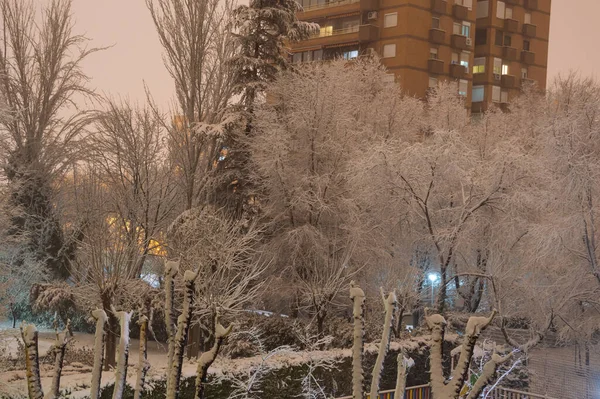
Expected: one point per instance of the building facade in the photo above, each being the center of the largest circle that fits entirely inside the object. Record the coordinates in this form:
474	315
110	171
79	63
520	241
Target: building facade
491	48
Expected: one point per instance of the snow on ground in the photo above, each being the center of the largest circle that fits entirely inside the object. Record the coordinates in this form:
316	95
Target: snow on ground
77	377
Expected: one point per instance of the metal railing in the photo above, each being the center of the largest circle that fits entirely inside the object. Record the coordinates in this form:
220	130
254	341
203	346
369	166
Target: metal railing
416	392
506	393
313	7
343	31
424	392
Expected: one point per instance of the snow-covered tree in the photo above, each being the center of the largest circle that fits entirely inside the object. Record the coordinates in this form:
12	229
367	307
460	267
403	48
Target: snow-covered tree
305	141
41	73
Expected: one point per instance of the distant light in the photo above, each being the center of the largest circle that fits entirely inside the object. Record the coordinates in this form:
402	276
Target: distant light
433	277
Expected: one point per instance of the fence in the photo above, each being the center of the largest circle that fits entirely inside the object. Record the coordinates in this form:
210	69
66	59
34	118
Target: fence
424	392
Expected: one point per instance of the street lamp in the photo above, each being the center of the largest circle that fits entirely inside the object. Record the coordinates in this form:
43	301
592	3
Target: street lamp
433	277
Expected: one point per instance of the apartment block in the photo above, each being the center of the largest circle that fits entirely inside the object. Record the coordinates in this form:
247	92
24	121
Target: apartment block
491	48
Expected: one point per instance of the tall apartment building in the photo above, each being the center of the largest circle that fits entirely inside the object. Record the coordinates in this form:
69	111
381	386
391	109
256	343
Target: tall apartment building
490	47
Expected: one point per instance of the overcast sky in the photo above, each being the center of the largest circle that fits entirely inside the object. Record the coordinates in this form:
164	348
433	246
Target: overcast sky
135	55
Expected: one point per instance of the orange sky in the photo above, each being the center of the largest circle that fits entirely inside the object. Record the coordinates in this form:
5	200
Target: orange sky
136	54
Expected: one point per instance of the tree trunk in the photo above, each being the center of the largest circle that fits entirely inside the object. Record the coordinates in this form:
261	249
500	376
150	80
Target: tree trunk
357	296
183	327
110	356
390	308
100	316
32	362
59	349
143	366
121	370
208	357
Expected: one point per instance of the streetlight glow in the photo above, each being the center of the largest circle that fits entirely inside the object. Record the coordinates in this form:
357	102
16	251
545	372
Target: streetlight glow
432	277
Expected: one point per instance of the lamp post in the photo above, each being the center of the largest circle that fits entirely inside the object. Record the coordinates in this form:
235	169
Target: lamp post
433	277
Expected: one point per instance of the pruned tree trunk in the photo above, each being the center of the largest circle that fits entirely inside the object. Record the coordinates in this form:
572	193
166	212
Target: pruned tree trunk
171	270
437	326
475	326
183	326
32	363
390	308
59	348
100	316
143	366
123	355
357	296
208	357
489	372
404	365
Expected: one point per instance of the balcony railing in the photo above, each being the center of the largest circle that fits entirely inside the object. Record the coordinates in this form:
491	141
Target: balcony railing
336	32
313	7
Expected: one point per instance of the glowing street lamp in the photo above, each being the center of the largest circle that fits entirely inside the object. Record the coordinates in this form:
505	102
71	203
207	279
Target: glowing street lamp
433	278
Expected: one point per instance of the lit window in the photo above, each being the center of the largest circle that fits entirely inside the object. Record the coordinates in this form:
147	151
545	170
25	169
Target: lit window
528	18
504	69
455	58
477	94
508	14
463	87
463	29
326	31
524	73
466	3
479	65
433	53
389	50
390	20
496	94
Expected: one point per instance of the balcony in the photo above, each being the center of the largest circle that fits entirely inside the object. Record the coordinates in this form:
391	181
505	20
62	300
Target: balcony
369	5
529	30
510	53
437	36
527	82
508	81
368	33
435	66
531	4
459	41
527	57
439	6
324	9
479	79
511	25
458	71
338	36
460	12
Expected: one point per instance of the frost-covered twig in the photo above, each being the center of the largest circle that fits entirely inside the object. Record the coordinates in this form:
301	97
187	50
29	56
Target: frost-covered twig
390	309
437	325
101	318
357	296
171	270
489	371
32	362
122	354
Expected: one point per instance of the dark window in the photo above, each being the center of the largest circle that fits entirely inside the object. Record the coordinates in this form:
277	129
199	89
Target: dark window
526	45
480	36
508	41
499	38
435	23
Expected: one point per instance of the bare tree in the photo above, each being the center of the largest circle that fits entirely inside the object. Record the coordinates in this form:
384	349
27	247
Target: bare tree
197	42
41	75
